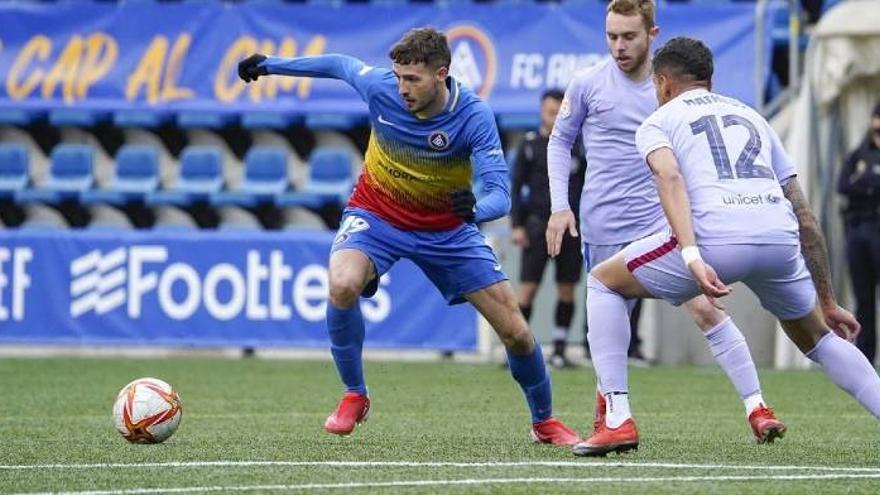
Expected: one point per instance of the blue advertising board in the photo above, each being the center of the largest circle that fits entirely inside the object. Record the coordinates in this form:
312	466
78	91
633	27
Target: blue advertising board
198	288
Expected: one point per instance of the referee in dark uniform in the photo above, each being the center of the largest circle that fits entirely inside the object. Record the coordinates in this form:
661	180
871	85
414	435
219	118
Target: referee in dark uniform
531	211
859	183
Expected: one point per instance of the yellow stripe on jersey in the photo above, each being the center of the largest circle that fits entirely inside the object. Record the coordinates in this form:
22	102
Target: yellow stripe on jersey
417	179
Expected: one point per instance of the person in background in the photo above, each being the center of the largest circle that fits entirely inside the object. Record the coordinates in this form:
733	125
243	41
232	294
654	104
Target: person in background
859	183
531	209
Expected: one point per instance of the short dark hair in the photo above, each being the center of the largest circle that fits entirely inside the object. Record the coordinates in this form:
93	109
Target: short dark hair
422	45
554	93
684	57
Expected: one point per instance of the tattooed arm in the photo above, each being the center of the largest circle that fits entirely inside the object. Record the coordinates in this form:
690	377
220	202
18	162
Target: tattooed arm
816	255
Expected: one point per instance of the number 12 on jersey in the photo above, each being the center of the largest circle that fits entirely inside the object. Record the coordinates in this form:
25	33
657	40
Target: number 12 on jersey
745	164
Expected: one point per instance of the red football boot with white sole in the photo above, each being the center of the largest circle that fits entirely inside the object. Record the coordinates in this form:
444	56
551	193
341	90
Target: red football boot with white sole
621	439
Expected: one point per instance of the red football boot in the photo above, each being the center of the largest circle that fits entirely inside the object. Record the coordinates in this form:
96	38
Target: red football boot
765	426
621	439
554	432
353	409
599	413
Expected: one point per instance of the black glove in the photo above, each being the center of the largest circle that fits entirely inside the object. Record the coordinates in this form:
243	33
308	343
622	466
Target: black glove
248	69
463	204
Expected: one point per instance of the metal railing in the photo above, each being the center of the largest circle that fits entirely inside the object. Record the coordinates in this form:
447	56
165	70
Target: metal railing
795	29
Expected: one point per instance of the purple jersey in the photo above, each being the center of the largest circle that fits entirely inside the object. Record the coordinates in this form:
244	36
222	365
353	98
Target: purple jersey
619	202
732	162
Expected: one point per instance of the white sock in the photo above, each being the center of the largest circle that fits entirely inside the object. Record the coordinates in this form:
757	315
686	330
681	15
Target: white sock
616	409
753	401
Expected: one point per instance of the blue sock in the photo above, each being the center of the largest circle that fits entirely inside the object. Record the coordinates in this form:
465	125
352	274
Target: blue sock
531	374
346	328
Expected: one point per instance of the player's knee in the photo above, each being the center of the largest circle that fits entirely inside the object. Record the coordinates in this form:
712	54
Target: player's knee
705	315
344	289
518	339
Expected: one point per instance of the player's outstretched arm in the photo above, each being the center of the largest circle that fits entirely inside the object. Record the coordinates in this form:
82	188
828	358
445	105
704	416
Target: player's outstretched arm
816	255
331	66
677	207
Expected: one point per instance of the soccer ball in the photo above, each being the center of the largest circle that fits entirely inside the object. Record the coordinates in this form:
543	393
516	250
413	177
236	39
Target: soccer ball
147	410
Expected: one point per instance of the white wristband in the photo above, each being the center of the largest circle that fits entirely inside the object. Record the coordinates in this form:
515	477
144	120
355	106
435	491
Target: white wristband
690	254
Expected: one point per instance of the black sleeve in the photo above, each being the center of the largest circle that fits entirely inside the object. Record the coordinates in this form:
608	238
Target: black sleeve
850	181
521	168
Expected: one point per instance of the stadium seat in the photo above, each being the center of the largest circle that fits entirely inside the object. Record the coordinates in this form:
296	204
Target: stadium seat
265	176
38	161
13	169
330	171
73	117
200	176
302	219
205	119
105	217
39	216
330	180
70	173
140	118
297	169
334	121
137	175
269	120
18	116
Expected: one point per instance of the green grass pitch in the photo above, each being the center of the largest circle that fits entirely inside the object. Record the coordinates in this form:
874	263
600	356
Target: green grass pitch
254	426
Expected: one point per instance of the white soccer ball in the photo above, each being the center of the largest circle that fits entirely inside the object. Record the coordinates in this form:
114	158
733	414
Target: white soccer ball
147	410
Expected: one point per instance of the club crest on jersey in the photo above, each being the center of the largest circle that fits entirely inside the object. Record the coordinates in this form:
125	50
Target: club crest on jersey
565	108
438	140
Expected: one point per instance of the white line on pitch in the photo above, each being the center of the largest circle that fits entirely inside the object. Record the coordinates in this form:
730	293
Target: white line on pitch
487	481
440	464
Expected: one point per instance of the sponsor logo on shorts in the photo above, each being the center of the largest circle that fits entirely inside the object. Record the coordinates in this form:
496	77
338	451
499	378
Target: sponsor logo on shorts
350	225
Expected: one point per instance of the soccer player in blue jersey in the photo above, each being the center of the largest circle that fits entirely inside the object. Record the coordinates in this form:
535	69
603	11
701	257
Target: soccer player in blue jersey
430	135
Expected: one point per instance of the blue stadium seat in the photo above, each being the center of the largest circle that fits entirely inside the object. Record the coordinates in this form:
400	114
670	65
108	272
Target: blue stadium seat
334	121
137	175
330	180
140	118
13	169
200	177
71	173
269	120
265	177
18	116
74	117
330	171
199	119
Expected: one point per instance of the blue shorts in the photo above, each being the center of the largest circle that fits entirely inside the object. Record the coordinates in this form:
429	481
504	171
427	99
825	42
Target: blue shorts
457	261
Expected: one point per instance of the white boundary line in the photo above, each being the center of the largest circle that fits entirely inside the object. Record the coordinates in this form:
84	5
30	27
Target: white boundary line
471	482
405	464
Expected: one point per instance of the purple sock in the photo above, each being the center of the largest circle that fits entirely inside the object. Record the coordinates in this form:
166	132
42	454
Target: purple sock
849	369
608	319
731	352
